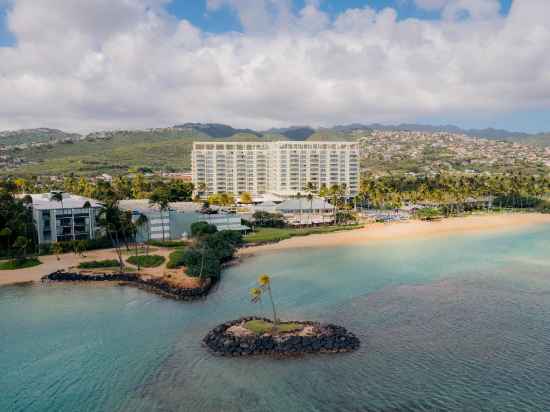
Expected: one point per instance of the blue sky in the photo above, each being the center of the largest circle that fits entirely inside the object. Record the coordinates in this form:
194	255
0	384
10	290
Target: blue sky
100	71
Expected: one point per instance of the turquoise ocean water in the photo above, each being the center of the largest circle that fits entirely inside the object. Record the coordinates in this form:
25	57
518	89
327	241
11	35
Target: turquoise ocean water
459	323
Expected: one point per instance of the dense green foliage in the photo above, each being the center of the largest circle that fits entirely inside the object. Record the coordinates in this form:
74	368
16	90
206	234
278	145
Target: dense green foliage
266	219
71	245
146	261
176	259
20	263
269	235
17	232
122	187
202	229
210	250
96	264
429	213
514	190
167	243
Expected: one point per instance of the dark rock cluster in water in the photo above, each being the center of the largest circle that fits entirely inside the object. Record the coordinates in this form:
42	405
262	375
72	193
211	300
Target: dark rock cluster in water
155	285
326	338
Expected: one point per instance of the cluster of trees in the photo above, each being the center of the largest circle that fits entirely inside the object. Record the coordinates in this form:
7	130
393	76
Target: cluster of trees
18	236
266	219
514	190
121	187
221	199
210	250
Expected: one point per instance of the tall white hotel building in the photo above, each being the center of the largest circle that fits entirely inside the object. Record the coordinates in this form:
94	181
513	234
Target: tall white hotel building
282	167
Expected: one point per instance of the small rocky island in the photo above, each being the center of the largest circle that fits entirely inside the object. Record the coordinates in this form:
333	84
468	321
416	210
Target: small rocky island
259	336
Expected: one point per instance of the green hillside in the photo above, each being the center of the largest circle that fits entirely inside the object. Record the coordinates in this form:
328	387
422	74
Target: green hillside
116	152
27	136
168	150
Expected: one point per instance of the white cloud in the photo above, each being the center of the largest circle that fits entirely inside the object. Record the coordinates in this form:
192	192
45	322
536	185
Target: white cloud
127	63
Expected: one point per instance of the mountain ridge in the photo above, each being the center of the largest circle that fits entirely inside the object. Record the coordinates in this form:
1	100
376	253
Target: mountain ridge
298	133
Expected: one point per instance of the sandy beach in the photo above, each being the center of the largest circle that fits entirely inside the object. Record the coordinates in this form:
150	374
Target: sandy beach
69	260
370	233
408	229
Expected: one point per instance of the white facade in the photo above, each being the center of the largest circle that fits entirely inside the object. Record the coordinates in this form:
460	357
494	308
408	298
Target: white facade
282	167
64	221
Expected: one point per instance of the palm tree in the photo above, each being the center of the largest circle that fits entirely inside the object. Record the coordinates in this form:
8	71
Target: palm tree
57	249
310	189
299	197
143	221
160	198
110	218
201	189
264	282
57	197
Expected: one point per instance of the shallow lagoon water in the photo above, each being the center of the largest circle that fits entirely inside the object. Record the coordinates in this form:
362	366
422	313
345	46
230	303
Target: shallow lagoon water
458	323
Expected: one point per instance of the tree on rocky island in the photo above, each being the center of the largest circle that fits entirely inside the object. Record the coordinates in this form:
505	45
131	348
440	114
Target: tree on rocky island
256	294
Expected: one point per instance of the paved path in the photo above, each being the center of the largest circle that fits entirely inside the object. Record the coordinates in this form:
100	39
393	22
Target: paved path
66	261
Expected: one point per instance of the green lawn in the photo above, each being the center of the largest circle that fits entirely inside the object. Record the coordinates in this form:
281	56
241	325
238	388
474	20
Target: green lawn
260	326
268	235
146	261
19	264
96	264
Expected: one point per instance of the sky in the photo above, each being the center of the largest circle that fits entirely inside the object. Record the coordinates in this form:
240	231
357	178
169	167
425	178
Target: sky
83	65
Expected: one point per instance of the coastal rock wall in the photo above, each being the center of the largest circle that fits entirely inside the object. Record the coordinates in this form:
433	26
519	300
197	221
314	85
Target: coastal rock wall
154	285
326	339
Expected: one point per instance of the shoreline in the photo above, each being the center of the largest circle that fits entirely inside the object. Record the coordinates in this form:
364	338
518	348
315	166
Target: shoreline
69	262
375	232
412	229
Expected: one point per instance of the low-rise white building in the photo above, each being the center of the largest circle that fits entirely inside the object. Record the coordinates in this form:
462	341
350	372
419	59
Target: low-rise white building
73	218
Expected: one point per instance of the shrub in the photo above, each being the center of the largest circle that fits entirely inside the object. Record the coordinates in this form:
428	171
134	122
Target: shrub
175	260
202	229
19	263
167	243
94	264
69	246
146	261
224	244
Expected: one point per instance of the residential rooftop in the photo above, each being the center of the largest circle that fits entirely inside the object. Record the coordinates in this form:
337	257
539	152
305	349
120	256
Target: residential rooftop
43	201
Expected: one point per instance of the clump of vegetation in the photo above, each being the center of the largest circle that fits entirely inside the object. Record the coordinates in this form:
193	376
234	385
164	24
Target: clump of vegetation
428	214
168	243
14	264
211	249
96	264
17	233
266	219
74	245
146	261
176	259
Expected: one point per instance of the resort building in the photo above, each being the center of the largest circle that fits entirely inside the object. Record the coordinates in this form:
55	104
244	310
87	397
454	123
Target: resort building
73	218
283	168
175	223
